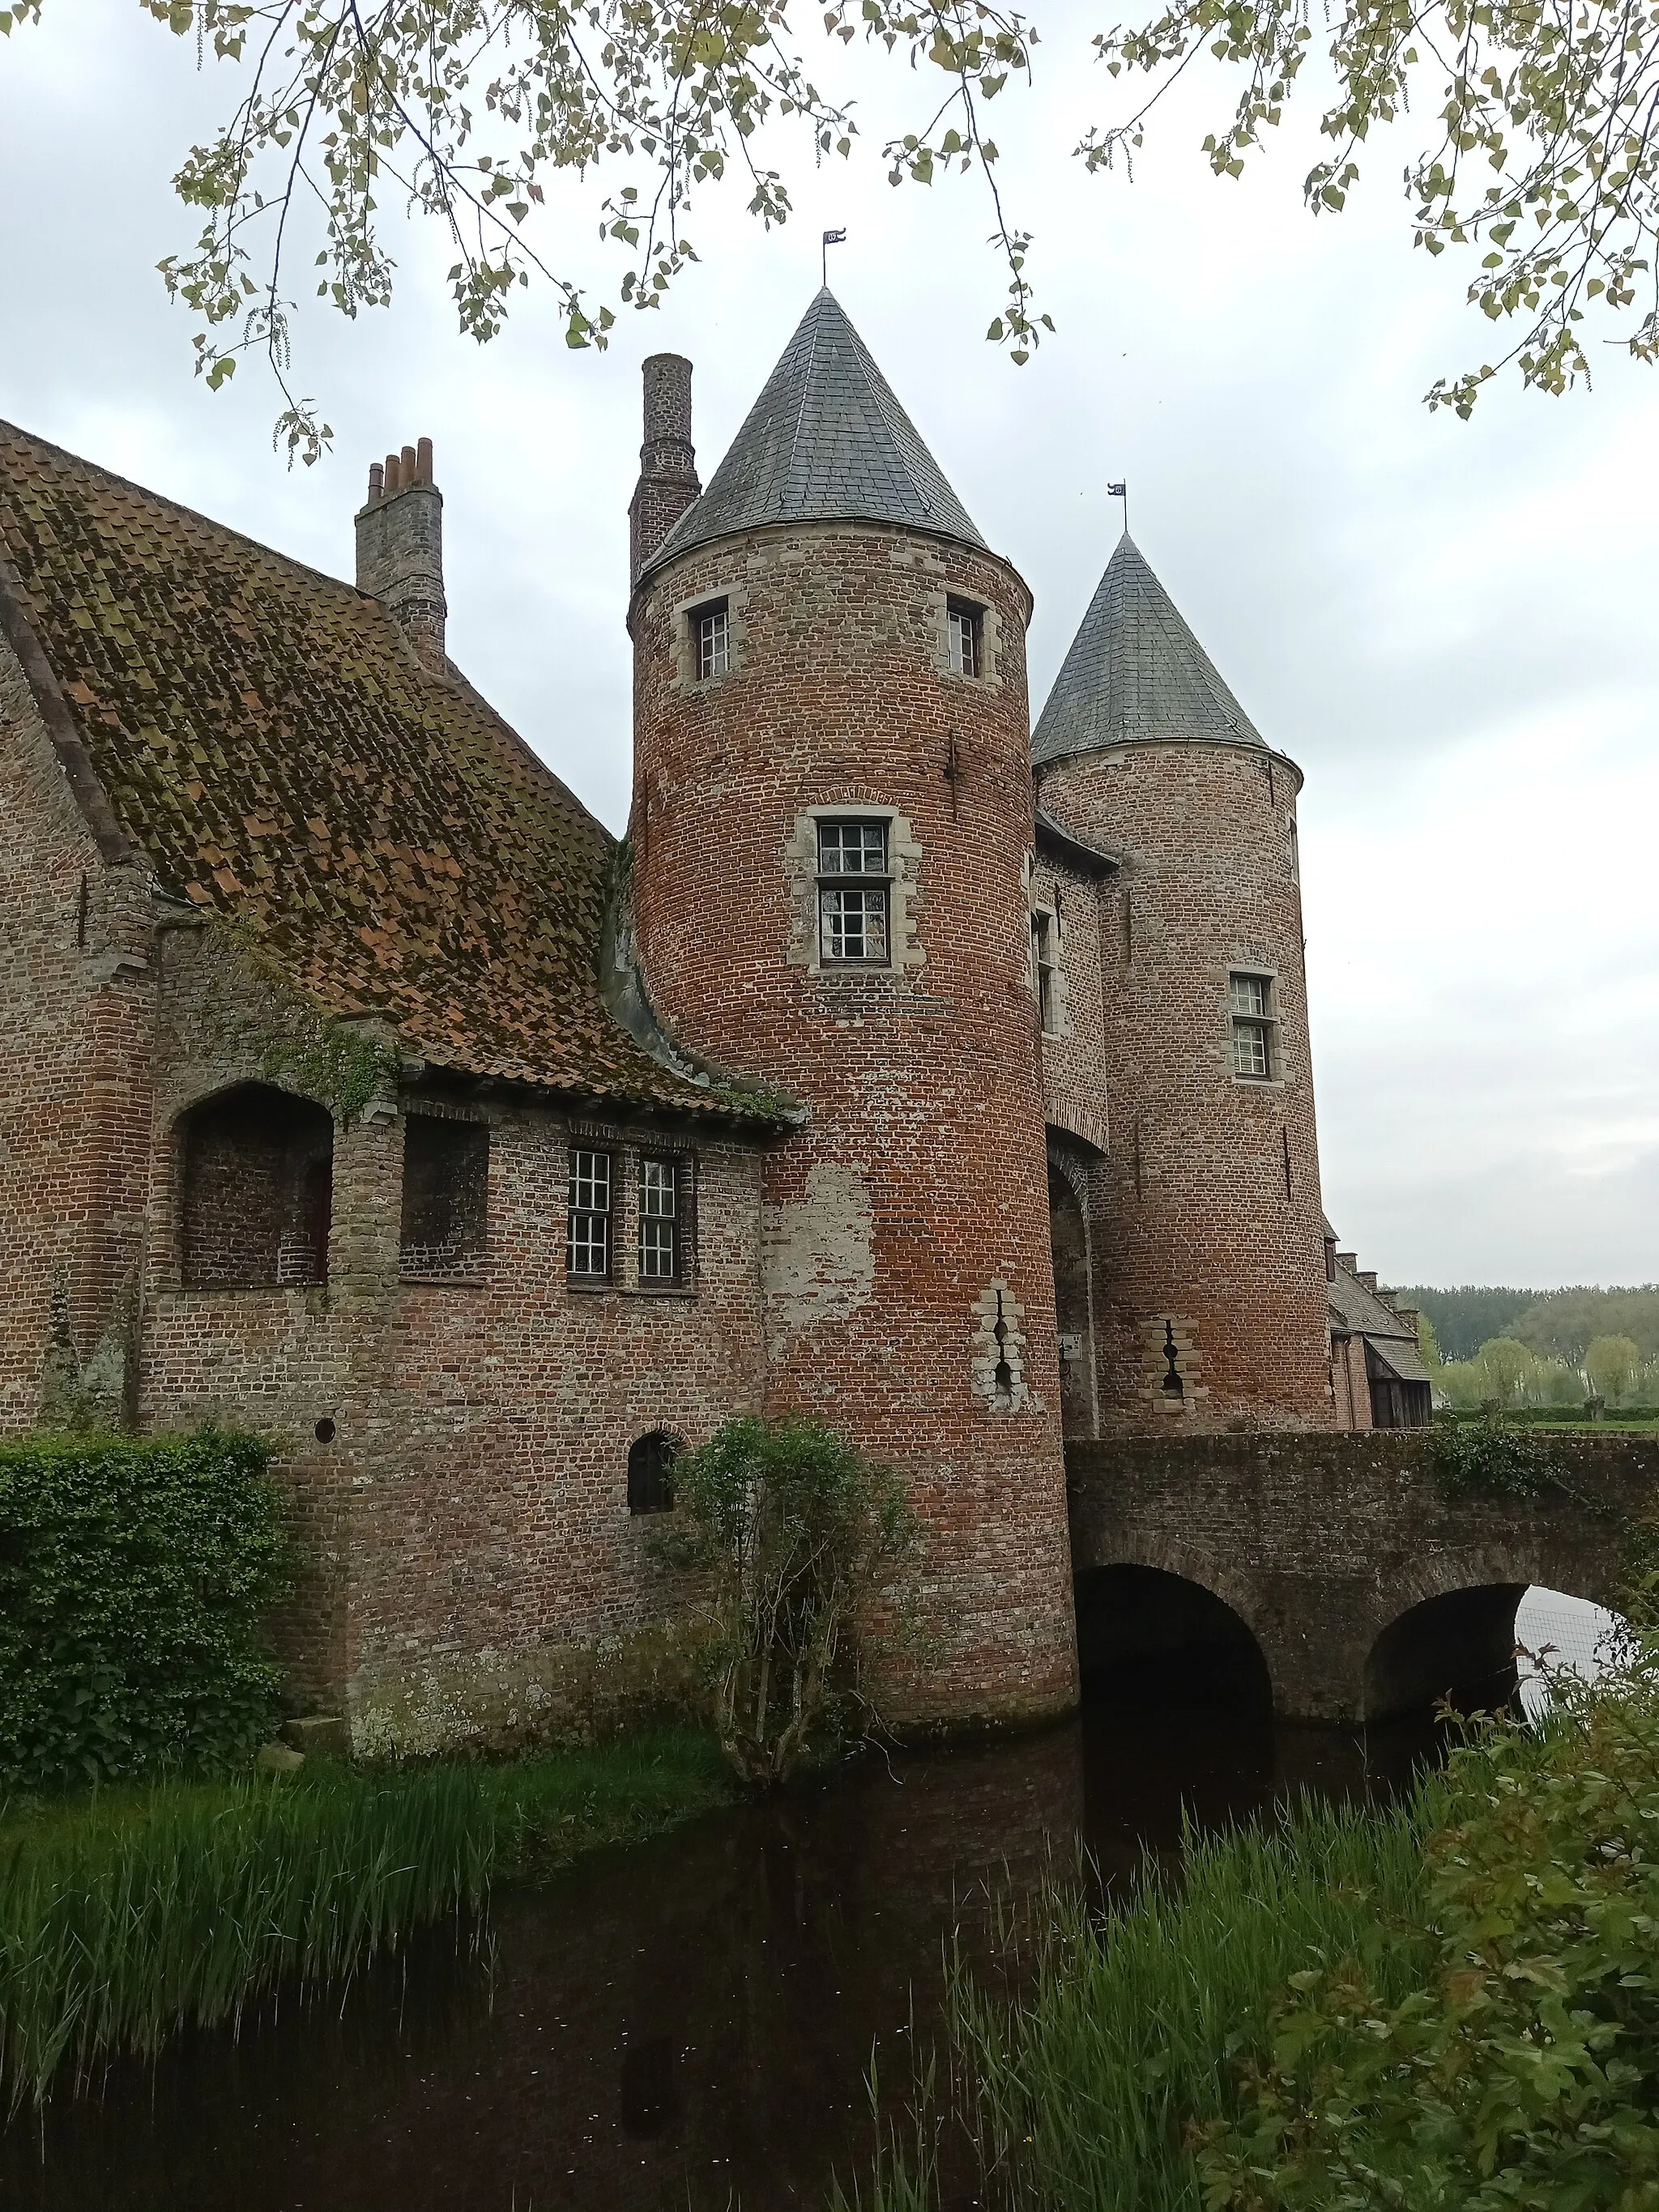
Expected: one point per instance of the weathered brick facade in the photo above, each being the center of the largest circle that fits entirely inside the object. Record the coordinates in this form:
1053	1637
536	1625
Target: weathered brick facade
1205	1205
317	988
917	1185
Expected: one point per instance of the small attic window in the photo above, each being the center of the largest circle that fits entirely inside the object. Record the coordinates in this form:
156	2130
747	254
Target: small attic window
711	638
965	635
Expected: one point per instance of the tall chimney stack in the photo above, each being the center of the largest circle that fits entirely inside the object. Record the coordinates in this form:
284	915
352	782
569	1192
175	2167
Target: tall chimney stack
668	465
400	547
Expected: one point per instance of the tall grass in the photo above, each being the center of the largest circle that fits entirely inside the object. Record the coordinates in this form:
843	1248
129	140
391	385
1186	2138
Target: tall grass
1078	2091
127	1914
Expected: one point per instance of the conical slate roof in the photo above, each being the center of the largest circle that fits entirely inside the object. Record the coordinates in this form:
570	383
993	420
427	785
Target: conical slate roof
1135	671
826	441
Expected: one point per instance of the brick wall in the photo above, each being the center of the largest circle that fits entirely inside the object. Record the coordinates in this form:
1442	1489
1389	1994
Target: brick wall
1207	1208
915	1198
74	1108
471	1565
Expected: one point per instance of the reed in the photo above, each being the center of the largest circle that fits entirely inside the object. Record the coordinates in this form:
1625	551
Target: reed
126	1914
1129	2027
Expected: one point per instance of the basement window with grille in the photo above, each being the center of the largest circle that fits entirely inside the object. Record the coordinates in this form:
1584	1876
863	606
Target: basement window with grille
855	911
711	638
1254	1021
587	1254
965	635
650	1472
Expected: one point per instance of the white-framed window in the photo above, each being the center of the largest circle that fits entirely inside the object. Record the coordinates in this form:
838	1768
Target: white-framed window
1045	962
711	638
1251	1000
965	625
660	1219
587	1254
853	911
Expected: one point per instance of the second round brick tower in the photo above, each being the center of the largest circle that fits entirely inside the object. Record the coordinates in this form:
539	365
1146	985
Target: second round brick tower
831	824
1207	1240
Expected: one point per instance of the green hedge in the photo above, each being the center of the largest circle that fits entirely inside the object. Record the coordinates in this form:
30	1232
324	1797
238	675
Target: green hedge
134	1575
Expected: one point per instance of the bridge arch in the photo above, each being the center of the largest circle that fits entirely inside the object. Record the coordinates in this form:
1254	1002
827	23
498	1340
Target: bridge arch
1447	1627
1155	1630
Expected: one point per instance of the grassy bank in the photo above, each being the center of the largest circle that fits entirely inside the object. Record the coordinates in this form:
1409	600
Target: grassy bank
127	1914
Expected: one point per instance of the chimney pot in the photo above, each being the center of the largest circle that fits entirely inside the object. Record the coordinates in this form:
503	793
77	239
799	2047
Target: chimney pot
400	556
668	466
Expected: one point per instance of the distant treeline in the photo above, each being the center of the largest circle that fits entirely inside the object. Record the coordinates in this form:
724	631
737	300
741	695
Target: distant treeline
1556	1324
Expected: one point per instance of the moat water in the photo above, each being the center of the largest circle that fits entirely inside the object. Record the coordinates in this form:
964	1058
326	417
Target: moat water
684	2027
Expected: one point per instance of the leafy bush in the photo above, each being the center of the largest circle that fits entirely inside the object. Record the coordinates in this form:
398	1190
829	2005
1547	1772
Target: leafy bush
1522	2067
134	1574
1491	1456
796	1539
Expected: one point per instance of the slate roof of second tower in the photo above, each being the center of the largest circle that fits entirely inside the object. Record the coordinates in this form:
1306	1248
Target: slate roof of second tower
1136	672
826	441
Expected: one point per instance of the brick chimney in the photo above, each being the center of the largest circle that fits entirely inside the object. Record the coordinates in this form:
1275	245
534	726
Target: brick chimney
668	465
400	547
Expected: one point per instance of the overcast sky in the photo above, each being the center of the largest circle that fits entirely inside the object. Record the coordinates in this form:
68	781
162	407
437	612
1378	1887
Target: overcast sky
1450	626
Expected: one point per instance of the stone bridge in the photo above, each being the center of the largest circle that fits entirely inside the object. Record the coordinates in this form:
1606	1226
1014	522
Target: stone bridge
1365	1592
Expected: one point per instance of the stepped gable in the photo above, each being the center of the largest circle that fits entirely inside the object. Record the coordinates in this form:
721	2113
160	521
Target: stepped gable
826	441
267	736
1135	672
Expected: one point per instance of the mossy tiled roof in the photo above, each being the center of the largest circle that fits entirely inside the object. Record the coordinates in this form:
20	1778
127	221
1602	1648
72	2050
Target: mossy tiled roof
267	736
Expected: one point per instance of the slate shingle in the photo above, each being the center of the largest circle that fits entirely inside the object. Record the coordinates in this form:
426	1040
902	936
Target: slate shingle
268	736
1135	671
826	441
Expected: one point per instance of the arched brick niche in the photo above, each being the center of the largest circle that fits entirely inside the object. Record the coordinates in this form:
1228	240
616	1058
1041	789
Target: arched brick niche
256	1170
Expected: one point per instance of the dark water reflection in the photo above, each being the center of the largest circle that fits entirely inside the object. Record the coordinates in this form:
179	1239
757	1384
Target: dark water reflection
685	2025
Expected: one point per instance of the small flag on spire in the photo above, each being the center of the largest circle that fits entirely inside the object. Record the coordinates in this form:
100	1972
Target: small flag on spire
1121	491
830	238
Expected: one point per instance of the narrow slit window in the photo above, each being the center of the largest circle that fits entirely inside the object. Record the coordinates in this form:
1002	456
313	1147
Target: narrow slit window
711	634
1047	967
965	631
588	1252
854	908
659	1220
1251	999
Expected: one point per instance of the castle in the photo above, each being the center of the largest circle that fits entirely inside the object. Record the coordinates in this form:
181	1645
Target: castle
943	1078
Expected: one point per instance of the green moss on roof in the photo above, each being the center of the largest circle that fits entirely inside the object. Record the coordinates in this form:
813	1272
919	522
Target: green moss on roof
268	737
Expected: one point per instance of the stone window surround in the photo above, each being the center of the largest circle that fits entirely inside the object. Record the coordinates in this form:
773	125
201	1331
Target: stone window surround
1274	1080
903	881
1048	901
987	676
997	1302
626	1155
684	647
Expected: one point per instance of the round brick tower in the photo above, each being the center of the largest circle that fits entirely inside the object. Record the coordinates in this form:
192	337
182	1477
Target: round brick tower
1208	1243
831	825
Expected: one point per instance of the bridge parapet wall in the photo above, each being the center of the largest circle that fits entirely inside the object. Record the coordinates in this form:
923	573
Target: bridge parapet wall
1320	1541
